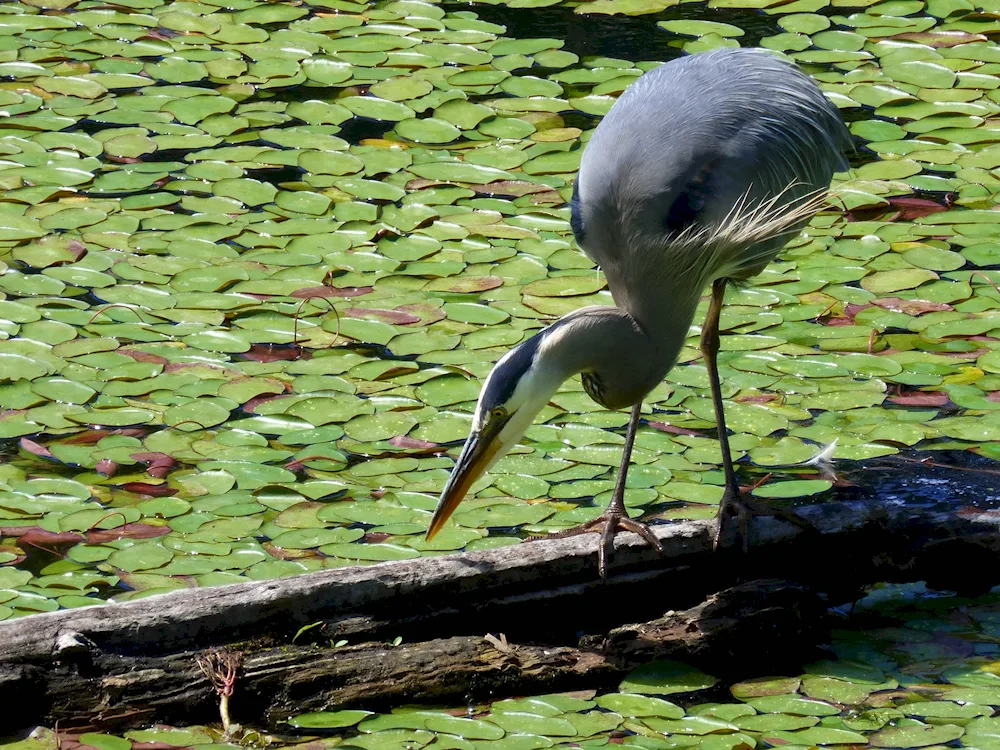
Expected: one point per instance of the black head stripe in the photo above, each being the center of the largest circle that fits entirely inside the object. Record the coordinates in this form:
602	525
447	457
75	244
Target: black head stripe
505	376
576	213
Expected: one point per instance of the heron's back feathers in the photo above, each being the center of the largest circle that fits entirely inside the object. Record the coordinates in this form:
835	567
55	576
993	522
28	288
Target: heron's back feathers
702	170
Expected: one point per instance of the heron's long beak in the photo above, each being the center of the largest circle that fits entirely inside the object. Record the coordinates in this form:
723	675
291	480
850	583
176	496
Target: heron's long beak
476	457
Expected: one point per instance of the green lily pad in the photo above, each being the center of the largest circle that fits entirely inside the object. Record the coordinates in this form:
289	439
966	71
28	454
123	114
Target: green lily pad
664	678
689	725
371	552
768	723
105	741
793	488
197	414
945	710
792	704
143	555
459	172
168	736
821	736
375	108
515	722
428	130
309	538
916	735
470	729
872	719
700	28
328	719
765	686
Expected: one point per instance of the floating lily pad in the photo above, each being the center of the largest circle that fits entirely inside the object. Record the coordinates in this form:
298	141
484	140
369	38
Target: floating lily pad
792	704
916	735
690	725
821	736
515	722
471	729
793	488
428	130
328	719
665	678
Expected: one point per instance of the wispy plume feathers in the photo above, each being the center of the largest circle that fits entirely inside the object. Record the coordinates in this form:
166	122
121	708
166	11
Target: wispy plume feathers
744	239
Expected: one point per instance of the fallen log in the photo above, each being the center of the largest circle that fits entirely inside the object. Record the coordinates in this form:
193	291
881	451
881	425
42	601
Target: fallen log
116	692
903	526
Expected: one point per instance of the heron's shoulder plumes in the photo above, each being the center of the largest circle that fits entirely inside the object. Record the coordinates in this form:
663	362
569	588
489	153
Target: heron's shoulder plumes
746	237
744	86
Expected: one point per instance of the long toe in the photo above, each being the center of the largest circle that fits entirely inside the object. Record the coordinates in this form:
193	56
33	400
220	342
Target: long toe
587	527
734	523
608	524
734	517
606	549
614	523
642	530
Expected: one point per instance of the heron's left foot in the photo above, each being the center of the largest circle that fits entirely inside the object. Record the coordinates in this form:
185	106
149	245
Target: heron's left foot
735	512
608	524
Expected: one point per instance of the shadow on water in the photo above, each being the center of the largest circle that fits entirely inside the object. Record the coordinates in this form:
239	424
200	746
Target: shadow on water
949	479
634	38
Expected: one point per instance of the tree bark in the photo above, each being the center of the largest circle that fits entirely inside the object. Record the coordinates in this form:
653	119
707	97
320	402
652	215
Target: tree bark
117	692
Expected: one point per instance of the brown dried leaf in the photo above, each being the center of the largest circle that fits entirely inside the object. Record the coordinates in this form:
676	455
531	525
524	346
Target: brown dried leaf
331	291
911	306
395	317
35	448
921	398
940	38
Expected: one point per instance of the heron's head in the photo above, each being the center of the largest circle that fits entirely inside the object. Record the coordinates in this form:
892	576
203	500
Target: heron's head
517	388
604	343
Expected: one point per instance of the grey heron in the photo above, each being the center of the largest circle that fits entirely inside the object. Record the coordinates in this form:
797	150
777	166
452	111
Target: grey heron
700	173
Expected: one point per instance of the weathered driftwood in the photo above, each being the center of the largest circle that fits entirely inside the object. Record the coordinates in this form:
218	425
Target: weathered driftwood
747	624
541	595
202	617
864	538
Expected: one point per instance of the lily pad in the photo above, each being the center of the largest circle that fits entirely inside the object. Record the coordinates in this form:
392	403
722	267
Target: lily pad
916	735
666	677
328	719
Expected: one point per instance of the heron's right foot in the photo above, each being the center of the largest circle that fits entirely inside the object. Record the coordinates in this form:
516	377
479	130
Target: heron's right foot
608	524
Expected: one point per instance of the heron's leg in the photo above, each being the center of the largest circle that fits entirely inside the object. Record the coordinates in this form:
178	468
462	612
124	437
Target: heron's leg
615	518
731	508
734	507
616	508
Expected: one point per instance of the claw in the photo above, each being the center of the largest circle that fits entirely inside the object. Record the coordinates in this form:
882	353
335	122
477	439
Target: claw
741	509
611	522
732	508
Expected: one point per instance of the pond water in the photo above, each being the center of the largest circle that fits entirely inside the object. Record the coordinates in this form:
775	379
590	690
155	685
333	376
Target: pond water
257	257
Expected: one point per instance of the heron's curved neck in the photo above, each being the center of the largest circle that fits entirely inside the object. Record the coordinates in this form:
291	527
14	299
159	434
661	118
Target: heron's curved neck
626	358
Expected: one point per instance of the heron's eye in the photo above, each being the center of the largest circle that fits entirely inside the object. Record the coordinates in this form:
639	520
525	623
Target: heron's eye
498	413
592	385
